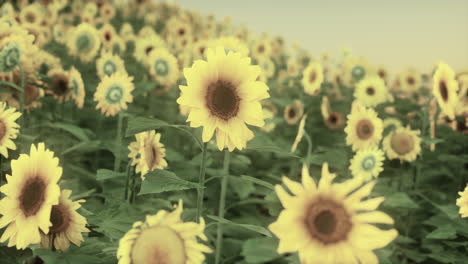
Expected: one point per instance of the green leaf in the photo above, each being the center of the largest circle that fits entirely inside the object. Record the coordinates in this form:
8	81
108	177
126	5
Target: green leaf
105	174
265	146
255	228
259	182
260	250
443	232
76	131
159	181
400	200
242	187
84	147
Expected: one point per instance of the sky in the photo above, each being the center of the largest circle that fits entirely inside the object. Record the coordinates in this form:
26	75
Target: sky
397	33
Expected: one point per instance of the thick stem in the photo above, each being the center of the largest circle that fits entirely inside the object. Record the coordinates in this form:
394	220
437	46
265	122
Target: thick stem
222	204
118	142
127	182
201	182
309	147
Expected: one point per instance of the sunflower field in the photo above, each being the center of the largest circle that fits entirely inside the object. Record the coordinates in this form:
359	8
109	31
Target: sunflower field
137	132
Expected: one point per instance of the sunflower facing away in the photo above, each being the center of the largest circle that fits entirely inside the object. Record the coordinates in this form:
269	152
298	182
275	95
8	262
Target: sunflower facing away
31	192
462	202
163	67
371	91
164	238
113	93
147	153
84	42
109	64
8	128
78	92
364	128
67	224
224	96
330	222
367	163
312	78
403	144
445	89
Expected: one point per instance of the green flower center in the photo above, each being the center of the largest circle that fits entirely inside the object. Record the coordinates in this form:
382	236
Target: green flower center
161	67
114	94
9	57
358	72
368	163
84	42
109	68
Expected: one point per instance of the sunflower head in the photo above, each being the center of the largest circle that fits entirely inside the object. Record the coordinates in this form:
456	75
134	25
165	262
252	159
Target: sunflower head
403	144
109	64
147	152
312	78
113	93
363	128
445	89
77	87
9	57
367	163
371	91
163	67
84	42
8	128
462	202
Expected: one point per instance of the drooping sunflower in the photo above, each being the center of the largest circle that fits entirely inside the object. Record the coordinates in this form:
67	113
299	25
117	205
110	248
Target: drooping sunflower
312	78
371	91
231	44
462	202
363	128
109	64
147	152
78	91
67	224
330	222
293	112
163	67
445	89
403	144
224	97
84	42
367	163
31	192
8	128
113	93
164	238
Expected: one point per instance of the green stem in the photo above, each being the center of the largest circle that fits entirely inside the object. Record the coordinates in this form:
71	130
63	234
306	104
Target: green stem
222	204
201	182
309	147
98	129
133	189
22	96
127	182
118	142
16	87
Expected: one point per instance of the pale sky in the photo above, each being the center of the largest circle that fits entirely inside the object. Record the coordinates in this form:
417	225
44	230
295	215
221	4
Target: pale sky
394	33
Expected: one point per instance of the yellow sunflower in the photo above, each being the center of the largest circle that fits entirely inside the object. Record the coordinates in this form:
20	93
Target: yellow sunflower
144	46
107	34
268	67
78	91
84	42
8	128
363	128
113	93
354	69
330	222
403	144
382	73
126	32
371	91
147	152
333	120
231	44
312	78
293	112
107	11
60	86
32	14
367	163
224	97
410	80
109	64
445	89
31	192
163	67
261	48
199	48
164	238
462	202
67	224
392	122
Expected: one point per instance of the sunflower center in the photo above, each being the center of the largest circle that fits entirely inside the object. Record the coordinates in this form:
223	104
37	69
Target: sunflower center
328	221
83	43
312	77
368	163
32	196
358	72
60	85
261	49
402	143
181	31
158	245
60	219
2	129
31	18
364	129
222	99
161	67
109	68
443	90
151	155
410	80
148	50
370	91
382	74
114	94
107	36
333	118
292	112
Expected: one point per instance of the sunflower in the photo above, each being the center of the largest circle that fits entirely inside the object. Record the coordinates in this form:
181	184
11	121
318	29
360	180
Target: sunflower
144	46
403	144
363	128
445	89
462	202
410	80
126	32
107	34
199	48
31	14
147	152
8	128
261	48
224	96
109	64
60	85
392	122
371	91
333	120
67	224
31	192
268	68
84	42
231	44
163	67
382	72
164	238
354	69
113	93
78	91
107	11
367	163
312	78
293	112
330	222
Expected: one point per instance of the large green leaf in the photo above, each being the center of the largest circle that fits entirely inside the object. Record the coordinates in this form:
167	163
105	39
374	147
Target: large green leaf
159	181
255	228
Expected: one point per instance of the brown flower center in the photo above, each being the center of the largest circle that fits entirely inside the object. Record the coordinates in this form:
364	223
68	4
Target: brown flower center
261	49
334	121
60	85
370	91
410	80
443	90
32	196
222	99
151	155
2	130
181	31
107	36
60	219
292	112
312	77
382	74
364	129
402	143
30	17
148	50
327	221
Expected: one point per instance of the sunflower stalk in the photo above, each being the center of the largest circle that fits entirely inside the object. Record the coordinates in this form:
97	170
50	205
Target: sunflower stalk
21	95
222	203
127	181
118	142
309	148
201	181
